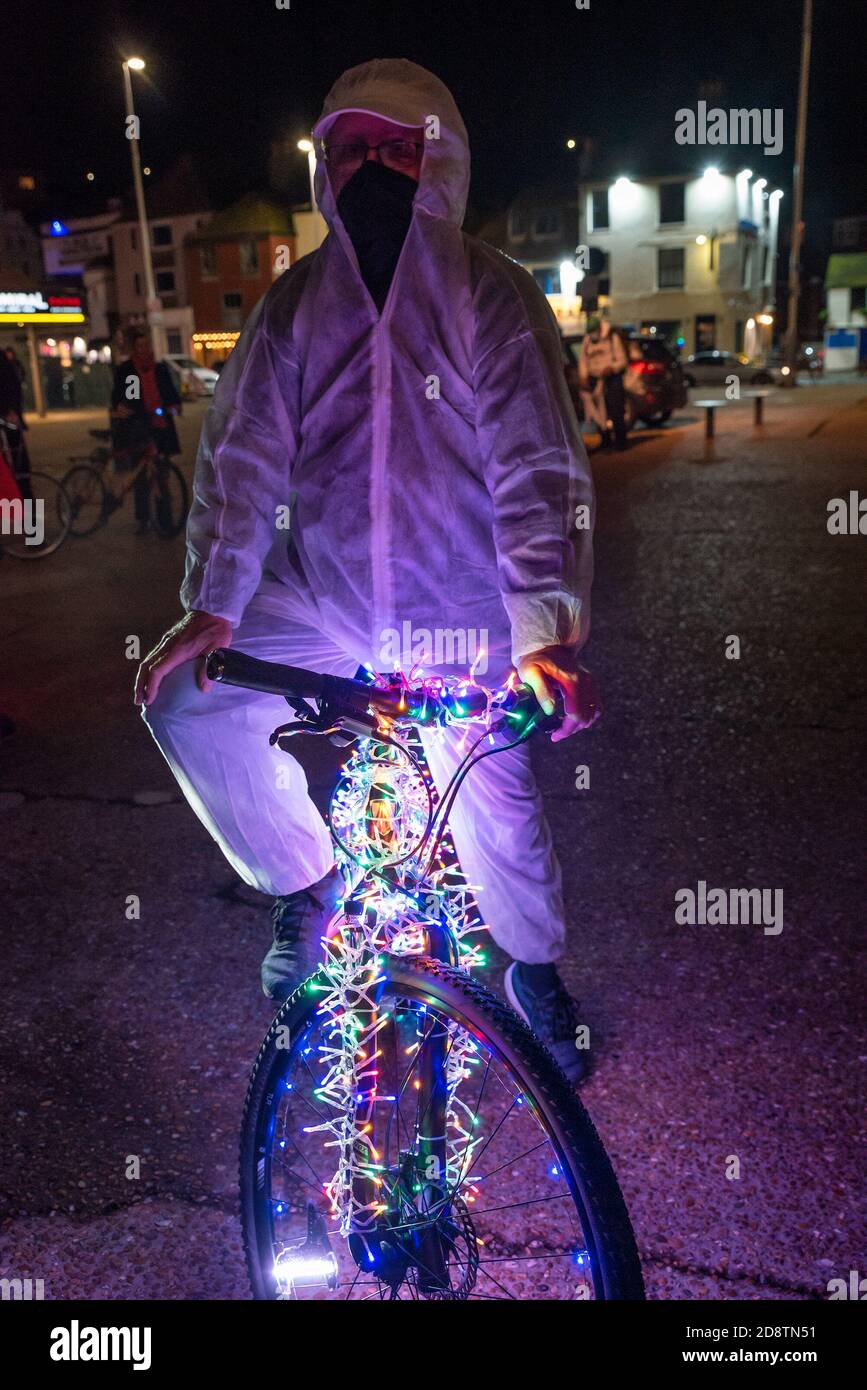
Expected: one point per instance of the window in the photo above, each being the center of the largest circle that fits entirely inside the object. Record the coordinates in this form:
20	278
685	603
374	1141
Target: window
208	260
671	202
174	341
599	213
232	310
165	281
547	223
136	280
669	268
249	253
133	238
517	224
162	235
857	297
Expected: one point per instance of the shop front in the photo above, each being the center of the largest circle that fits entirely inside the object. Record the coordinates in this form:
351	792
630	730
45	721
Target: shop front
46	330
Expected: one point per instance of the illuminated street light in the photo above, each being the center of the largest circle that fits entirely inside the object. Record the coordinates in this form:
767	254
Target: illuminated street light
153	304
701	240
570	144
307	147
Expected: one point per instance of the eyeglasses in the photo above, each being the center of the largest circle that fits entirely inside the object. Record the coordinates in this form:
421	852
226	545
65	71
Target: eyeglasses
397	154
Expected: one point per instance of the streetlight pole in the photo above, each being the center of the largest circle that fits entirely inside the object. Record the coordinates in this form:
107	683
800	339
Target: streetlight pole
307	147
791	351
153	303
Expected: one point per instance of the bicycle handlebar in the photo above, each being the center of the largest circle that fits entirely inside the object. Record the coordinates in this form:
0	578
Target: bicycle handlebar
355	698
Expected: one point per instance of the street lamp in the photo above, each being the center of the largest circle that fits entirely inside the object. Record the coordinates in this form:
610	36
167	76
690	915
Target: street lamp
307	147
153	303
702	240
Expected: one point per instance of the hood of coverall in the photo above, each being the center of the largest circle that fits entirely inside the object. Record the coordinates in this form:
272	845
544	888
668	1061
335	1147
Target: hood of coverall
409	95
428	449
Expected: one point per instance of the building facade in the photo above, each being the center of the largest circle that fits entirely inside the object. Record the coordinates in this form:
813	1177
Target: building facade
230	264
692	259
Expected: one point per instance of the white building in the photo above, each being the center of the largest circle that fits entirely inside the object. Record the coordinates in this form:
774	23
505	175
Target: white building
692	258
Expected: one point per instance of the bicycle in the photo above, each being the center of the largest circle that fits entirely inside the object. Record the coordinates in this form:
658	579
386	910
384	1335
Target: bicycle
35	509
93	501
405	1134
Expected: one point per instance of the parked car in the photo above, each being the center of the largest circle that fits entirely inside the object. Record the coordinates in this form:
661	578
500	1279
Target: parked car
654	380
811	358
711	367
195	380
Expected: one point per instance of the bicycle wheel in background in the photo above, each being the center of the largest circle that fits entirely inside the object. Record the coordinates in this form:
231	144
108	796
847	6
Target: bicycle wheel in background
87	496
169	499
46	518
529	1208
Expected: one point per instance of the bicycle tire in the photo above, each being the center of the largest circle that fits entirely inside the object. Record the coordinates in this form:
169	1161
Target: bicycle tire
169	523
87	495
60	508
615	1264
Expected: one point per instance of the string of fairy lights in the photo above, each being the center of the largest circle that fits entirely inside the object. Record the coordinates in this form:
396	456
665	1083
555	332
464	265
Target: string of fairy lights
380	816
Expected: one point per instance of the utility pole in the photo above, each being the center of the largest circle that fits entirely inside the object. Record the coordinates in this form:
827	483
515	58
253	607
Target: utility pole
791	347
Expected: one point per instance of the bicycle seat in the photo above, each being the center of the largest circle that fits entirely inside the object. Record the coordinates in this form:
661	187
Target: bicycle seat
104	435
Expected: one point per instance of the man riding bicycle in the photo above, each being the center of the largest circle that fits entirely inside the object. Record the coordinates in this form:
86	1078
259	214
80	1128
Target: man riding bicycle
401	389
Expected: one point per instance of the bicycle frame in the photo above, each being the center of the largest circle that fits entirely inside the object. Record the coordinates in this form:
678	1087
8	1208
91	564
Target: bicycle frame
405	894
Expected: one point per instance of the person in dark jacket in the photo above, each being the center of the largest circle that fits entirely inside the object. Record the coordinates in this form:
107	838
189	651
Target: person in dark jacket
144	401
12	411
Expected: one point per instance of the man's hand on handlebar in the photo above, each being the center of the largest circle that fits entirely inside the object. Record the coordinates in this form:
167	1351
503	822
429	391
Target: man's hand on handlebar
550	668
194	636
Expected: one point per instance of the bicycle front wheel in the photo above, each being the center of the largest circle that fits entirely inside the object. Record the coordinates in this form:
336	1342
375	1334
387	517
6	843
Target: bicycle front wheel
525	1204
169	499
40	522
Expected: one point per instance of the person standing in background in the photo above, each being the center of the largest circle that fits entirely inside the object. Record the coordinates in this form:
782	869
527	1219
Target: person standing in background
603	365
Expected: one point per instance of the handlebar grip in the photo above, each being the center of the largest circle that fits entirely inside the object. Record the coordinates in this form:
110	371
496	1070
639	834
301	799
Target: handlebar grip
272	678
522	705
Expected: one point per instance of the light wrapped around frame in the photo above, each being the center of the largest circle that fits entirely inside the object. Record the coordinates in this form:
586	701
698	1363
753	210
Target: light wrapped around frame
379	813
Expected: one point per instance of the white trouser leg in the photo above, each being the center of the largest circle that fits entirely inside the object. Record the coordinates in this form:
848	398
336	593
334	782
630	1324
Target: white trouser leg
504	845
252	798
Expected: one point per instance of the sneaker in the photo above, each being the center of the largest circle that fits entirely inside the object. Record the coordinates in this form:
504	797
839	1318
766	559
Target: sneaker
300	921
553	1017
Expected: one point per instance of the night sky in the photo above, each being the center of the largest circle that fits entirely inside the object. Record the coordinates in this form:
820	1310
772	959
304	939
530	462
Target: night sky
225	78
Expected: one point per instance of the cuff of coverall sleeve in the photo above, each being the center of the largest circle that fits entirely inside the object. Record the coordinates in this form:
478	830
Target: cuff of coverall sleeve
544	623
199	597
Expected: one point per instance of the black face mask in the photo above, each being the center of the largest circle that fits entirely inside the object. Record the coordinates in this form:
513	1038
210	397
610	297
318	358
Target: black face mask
375	206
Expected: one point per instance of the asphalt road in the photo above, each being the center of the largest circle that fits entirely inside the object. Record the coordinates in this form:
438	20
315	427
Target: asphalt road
721	1049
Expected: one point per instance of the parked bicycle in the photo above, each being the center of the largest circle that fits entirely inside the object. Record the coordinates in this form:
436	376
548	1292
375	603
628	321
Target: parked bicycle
35	510
405	1134
98	483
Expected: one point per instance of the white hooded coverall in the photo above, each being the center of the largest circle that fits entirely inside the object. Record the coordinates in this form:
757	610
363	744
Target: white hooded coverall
433	466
